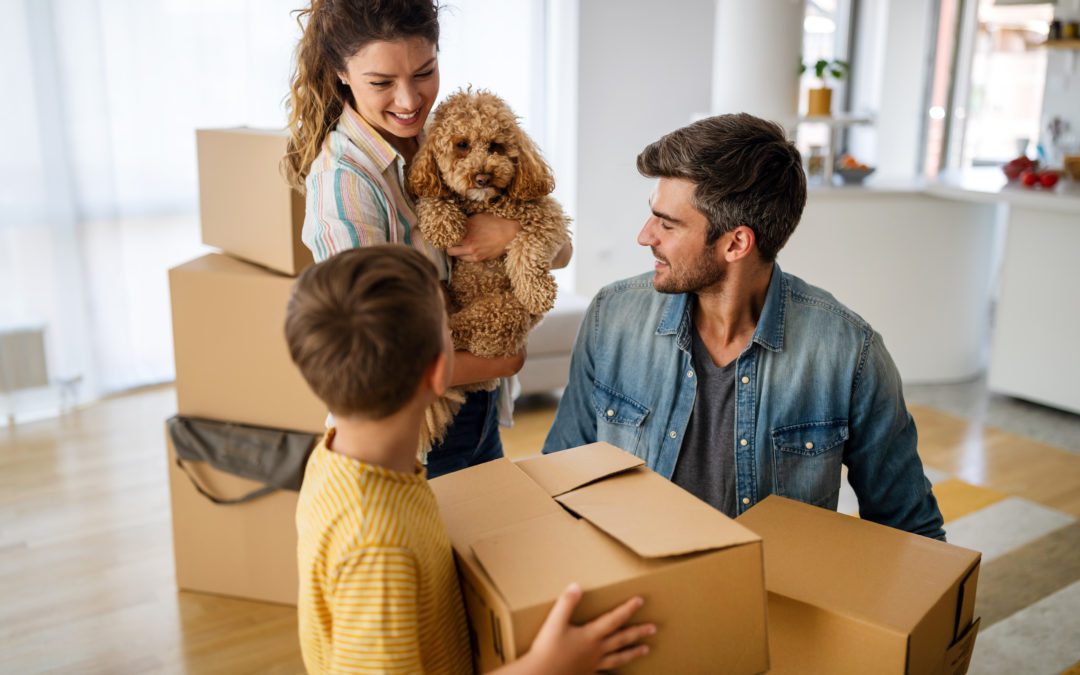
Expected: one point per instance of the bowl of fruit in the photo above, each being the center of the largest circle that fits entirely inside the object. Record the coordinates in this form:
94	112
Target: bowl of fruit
852	171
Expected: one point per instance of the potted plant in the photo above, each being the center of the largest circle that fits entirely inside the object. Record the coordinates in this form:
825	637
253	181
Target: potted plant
820	100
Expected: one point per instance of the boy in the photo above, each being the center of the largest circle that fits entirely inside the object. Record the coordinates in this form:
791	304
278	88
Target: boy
378	589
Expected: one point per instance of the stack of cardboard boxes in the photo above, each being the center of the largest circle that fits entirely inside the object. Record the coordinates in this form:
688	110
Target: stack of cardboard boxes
232	363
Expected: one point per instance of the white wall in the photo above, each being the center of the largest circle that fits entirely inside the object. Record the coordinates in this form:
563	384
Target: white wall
644	69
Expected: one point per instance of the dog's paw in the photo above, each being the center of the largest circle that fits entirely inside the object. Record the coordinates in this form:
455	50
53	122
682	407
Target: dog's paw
441	222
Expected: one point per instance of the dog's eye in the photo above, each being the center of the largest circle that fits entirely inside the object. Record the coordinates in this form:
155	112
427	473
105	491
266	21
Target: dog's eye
462	145
496	149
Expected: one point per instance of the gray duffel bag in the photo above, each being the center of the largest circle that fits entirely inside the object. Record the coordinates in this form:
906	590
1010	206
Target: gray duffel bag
273	457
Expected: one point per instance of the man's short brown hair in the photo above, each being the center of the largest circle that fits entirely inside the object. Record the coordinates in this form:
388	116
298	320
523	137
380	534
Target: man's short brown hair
364	325
745	172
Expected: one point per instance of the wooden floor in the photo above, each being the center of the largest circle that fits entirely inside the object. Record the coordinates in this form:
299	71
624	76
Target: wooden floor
86	570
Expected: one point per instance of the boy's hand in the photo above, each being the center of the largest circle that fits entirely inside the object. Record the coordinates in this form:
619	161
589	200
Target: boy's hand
601	644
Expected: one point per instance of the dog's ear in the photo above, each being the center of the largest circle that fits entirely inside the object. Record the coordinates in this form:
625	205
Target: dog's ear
533	178
424	177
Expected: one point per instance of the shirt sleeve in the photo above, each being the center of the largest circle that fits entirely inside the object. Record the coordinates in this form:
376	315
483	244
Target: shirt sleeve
575	419
374	612
884	467
344	209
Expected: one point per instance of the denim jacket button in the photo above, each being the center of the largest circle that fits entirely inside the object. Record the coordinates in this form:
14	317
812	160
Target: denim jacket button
809	445
689	373
672	434
743	442
610	413
745	500
745	380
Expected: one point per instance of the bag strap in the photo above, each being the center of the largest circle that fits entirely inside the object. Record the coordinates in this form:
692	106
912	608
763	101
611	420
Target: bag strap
251	496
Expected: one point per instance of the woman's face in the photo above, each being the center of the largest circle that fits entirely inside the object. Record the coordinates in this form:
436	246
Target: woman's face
394	84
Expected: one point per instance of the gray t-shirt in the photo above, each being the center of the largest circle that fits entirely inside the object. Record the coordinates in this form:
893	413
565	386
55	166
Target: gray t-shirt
706	464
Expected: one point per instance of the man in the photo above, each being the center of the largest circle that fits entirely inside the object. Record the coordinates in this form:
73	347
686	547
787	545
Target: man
728	376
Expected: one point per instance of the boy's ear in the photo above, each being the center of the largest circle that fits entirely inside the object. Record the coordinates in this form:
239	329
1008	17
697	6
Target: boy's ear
440	371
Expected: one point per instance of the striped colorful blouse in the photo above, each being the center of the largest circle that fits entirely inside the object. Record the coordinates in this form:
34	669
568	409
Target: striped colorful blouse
378	587
356	195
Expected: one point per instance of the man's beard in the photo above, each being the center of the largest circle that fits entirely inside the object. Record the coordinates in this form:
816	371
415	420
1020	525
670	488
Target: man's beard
704	272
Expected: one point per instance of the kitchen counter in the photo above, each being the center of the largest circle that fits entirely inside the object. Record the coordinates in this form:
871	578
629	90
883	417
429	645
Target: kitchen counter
922	261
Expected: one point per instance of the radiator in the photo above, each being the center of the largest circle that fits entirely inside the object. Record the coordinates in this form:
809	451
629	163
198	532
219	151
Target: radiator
22	358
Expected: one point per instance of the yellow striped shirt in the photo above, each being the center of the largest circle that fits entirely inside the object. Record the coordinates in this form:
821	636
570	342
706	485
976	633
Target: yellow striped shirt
378	587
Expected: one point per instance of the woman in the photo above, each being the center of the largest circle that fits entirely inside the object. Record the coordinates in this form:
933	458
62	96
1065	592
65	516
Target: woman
367	75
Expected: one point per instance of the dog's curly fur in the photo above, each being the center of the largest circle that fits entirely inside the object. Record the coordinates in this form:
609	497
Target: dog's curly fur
476	158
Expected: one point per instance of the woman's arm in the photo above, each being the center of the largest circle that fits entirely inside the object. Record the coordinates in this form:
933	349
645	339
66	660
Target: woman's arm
469	368
562	258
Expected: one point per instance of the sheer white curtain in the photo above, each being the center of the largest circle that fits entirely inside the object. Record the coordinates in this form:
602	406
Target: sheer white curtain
98	181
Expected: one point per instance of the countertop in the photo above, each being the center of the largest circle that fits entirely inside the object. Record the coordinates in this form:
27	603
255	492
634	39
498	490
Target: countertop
986	185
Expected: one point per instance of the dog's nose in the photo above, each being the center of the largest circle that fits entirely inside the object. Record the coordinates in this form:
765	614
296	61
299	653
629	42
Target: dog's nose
482	179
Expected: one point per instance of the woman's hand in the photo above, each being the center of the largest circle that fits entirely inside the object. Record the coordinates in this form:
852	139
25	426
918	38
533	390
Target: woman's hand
487	237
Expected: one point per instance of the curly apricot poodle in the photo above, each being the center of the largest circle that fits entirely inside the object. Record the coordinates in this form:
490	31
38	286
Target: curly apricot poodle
476	158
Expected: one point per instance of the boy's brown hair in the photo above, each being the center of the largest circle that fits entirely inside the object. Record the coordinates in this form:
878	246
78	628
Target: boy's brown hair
364	325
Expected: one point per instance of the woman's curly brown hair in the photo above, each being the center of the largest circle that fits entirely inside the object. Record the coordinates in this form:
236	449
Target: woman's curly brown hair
334	30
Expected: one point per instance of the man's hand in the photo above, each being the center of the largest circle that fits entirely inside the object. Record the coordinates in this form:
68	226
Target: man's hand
486	237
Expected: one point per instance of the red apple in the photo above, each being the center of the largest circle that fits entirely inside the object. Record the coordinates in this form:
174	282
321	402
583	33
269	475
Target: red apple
1014	167
1029	178
1048	179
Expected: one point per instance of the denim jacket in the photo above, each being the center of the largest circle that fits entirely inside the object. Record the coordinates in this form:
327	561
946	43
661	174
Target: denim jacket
815	387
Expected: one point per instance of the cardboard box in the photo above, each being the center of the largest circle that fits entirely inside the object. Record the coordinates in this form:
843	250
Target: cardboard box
243	550
524	531
246	207
232	362
851	596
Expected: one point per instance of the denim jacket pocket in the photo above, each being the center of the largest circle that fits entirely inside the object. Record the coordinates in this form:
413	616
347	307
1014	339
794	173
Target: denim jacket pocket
620	419
807	459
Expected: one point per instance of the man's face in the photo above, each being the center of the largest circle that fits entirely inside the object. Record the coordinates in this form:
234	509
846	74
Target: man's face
676	234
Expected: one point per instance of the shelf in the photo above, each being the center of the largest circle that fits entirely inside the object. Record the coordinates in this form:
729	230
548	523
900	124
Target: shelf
834	122
841	120
1062	44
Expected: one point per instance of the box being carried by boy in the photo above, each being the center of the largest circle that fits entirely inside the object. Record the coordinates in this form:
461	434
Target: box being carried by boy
596	515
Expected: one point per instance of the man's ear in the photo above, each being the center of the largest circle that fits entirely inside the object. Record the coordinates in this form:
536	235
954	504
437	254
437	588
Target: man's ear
740	242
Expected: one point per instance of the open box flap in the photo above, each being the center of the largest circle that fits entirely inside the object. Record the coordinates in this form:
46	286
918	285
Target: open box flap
560	472
507	497
653	516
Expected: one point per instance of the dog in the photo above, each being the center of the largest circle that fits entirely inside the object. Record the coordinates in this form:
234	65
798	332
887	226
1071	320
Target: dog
476	159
